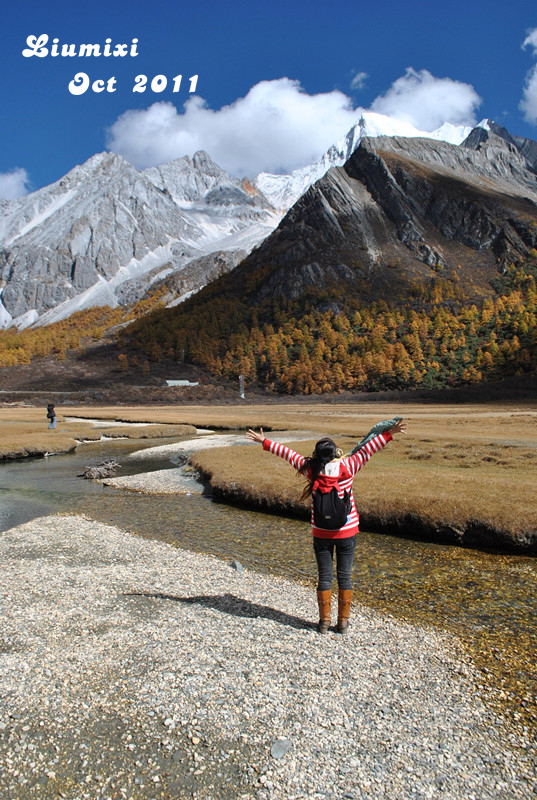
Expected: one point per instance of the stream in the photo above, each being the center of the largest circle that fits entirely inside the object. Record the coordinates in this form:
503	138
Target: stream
488	600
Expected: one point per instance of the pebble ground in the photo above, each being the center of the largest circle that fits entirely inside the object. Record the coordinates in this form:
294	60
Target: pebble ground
132	669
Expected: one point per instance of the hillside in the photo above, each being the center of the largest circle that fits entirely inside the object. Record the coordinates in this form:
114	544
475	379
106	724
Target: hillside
413	265
331	341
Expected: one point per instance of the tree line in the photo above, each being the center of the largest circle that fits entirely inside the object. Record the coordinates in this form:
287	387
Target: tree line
433	339
72	333
328	341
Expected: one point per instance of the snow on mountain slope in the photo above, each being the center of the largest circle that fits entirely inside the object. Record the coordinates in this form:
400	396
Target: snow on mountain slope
106	225
6	320
231	214
132	281
106	232
228	233
284	190
43	214
100	294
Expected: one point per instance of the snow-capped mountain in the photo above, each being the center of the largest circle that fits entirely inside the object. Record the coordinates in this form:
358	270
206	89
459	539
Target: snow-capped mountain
106	230
284	190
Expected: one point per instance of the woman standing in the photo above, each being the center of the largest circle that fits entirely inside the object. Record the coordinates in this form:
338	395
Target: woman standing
326	471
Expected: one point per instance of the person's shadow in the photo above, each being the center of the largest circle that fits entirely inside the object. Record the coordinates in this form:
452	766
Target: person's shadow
236	606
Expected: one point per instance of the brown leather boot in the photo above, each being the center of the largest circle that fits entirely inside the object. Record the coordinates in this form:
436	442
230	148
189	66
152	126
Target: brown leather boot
343	609
324	599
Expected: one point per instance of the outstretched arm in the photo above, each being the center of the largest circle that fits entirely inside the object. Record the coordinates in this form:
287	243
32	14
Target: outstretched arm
386	425
294	458
364	453
256	437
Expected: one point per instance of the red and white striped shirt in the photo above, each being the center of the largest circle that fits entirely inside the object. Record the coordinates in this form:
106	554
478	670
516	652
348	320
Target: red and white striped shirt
339	473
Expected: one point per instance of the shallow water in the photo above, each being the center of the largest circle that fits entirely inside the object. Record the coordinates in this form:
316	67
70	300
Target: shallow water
34	487
488	600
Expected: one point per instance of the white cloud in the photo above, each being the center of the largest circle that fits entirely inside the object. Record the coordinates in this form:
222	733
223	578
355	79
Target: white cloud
276	127
358	82
13	184
528	104
531	40
427	102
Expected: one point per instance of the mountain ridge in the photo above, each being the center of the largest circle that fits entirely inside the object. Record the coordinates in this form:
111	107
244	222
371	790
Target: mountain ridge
284	190
107	233
105	224
429	206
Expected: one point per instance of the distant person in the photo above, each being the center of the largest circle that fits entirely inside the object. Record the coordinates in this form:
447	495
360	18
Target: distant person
51	415
334	517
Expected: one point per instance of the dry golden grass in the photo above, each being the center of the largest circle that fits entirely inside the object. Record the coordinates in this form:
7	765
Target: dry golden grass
19	440
150	431
420	479
498	495
24	432
470	423
457	465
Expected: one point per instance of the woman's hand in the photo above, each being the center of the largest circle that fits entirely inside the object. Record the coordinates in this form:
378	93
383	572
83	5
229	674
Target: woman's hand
256	437
399	427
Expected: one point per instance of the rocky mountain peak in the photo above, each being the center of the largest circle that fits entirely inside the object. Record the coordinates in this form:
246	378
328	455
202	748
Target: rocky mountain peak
202	161
400	211
105	231
189	179
488	135
101	164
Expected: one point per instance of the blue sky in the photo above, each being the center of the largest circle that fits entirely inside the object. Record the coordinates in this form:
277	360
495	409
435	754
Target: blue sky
278	81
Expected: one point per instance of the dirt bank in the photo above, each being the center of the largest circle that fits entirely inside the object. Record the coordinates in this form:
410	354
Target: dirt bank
410	489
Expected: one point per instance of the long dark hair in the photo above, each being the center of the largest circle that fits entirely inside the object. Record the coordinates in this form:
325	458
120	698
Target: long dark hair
325	451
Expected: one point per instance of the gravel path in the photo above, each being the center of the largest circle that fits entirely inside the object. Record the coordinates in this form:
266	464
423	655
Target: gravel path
132	669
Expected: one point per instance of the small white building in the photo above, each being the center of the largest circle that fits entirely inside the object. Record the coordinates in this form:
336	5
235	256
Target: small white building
182	383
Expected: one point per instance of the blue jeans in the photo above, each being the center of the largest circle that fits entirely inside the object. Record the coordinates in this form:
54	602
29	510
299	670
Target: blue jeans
324	553
52	422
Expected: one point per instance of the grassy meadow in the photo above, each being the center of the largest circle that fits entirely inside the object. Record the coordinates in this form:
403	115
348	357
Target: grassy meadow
458	491
463	473
24	432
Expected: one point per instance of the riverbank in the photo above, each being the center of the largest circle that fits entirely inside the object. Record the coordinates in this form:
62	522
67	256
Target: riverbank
462	475
24	433
131	668
407	490
398	491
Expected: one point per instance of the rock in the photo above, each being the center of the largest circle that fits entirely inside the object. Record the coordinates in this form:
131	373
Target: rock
105	470
280	748
200	271
237	566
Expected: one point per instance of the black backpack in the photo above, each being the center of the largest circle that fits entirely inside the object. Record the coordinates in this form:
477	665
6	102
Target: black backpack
330	511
